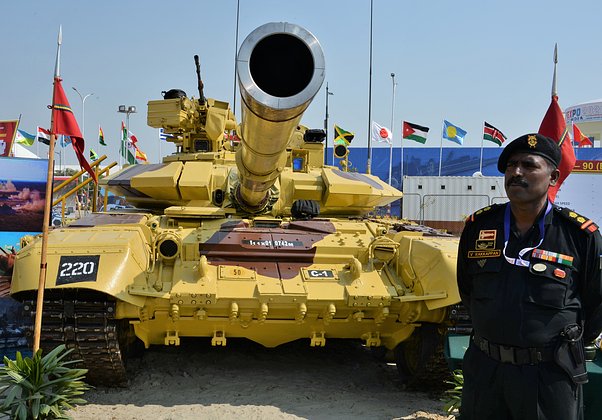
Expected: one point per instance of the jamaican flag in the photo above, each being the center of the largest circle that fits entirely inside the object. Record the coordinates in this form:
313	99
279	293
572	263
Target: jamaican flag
341	135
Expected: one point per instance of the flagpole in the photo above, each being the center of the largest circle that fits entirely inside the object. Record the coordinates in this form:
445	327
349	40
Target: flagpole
392	130
369	161
121	147
401	164
47	209
573	142
160	155
481	161
235	60
441	149
12	145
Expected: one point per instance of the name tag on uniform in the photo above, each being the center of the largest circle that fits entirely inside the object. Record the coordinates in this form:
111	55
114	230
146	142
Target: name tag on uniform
492	253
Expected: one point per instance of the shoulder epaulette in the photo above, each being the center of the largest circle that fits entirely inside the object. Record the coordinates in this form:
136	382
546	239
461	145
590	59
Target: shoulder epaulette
585	224
478	213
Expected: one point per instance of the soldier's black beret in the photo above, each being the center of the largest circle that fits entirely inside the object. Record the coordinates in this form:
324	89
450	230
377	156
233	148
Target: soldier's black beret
530	143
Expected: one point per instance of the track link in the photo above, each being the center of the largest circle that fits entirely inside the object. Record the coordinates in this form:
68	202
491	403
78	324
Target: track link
85	323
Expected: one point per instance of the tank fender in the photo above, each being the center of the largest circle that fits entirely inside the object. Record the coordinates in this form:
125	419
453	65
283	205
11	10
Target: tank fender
103	259
426	265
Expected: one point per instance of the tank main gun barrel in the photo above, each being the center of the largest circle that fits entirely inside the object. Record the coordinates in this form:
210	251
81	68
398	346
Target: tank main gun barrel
280	69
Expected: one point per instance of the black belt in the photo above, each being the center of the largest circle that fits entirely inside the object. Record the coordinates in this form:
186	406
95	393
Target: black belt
514	355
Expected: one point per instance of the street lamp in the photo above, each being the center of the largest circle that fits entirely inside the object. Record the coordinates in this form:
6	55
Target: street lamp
392	128
328	93
127	110
83	98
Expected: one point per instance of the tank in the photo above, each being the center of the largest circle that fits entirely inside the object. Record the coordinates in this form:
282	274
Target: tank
243	232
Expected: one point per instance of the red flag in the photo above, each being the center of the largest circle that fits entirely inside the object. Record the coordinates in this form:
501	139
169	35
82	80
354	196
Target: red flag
554	127
65	123
580	138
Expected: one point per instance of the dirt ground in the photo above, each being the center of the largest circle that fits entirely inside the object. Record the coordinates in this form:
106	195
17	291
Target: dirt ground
247	381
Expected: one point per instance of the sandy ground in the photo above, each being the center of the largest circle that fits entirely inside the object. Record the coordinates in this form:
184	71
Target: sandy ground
247	381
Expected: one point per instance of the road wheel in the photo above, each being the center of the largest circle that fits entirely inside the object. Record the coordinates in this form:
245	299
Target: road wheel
420	360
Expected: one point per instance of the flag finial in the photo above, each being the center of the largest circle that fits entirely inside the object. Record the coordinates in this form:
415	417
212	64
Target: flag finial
59	41
554	91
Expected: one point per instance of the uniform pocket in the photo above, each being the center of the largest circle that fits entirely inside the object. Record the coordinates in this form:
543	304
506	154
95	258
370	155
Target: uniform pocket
485	274
547	284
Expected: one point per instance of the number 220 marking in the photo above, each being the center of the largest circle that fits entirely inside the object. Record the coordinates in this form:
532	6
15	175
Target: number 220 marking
76	269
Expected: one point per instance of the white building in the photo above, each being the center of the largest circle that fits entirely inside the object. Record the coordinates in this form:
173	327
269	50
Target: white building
588	117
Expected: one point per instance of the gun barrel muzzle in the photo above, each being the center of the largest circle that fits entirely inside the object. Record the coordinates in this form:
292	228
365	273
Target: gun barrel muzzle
280	69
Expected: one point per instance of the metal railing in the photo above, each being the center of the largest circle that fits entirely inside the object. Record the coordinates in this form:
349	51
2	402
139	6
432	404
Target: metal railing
63	198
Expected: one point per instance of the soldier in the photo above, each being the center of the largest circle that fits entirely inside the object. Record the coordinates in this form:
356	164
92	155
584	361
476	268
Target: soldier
529	274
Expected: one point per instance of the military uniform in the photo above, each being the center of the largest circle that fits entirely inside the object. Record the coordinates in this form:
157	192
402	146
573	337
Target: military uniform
521	292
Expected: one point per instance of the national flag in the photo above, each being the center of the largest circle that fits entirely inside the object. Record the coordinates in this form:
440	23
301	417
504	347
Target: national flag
101	136
23	137
414	132
65	141
140	155
453	133
127	146
381	134
342	135
93	155
8	130
65	123
554	127
581	139
43	136
163	136
491	133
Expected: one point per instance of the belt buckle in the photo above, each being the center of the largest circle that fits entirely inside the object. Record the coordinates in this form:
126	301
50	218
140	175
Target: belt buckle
483	345
507	354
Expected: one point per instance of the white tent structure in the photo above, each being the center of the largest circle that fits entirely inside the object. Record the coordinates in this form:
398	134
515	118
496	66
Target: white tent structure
23	152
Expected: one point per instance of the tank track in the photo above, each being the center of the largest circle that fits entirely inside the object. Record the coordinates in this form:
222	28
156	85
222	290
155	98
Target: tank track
431	370
84	323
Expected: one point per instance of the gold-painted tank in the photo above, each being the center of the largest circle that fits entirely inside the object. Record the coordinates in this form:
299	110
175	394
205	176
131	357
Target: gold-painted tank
243	232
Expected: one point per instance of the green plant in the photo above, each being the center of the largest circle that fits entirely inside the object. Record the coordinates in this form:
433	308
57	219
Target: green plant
40	387
453	399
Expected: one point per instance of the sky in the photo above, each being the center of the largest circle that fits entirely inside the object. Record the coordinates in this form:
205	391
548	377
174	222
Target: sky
465	61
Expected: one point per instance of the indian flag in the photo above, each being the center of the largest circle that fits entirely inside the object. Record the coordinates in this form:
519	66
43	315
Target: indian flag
414	132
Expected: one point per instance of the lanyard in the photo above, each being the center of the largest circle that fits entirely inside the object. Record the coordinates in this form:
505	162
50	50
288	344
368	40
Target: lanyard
519	261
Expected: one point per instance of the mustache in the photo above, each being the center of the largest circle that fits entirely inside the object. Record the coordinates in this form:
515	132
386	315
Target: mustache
517	181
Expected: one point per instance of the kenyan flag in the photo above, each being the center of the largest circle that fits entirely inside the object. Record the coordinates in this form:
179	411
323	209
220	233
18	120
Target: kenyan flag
491	133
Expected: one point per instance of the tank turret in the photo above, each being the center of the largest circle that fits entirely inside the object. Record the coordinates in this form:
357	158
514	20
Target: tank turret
265	163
